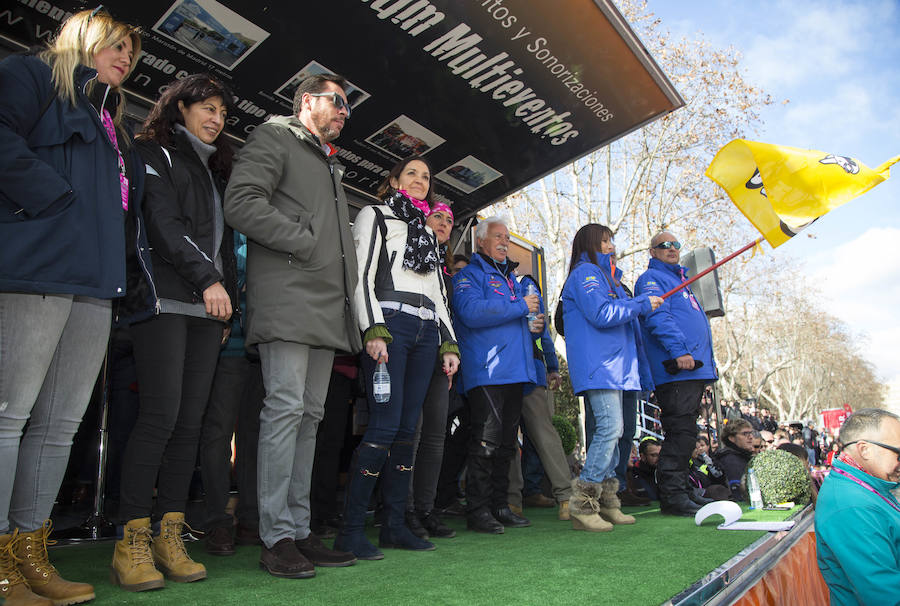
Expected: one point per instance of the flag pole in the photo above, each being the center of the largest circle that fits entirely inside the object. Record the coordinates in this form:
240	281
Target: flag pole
714	266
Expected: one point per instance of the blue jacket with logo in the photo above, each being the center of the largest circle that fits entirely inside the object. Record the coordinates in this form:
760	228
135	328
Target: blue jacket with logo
677	327
61	220
603	341
491	324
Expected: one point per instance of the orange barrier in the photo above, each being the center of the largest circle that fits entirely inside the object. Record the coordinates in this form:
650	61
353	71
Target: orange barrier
794	581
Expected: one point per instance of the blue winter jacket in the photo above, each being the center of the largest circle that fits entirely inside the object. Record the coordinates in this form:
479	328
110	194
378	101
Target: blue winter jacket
858	538
603	341
677	327
62	226
490	320
545	353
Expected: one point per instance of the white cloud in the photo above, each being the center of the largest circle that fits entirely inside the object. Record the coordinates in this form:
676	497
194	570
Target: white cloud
860	284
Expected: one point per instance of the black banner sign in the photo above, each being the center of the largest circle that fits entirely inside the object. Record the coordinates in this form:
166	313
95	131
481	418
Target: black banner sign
495	93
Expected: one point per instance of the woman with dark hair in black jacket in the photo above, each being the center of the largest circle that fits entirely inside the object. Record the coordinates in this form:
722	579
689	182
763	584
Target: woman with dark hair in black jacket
192	292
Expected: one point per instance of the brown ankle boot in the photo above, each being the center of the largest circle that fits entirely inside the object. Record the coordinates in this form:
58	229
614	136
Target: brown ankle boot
169	552
42	576
132	566
610	505
584	505
14	588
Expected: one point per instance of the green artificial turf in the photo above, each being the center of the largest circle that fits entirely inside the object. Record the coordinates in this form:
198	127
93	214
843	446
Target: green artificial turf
548	563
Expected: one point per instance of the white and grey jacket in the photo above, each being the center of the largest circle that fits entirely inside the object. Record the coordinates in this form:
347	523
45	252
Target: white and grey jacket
380	238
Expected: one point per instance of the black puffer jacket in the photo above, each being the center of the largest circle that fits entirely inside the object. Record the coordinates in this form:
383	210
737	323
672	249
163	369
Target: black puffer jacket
733	461
178	210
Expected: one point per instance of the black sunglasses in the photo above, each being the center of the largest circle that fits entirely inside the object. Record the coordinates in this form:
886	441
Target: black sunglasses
893	449
336	99
667	245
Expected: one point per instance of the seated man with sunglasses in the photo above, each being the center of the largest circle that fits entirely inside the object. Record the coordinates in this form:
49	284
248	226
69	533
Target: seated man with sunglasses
857	517
678	343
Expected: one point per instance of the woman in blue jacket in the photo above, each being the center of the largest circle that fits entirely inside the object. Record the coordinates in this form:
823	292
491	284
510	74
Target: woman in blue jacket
69	185
605	358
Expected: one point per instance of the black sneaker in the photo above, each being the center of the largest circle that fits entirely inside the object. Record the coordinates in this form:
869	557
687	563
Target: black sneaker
483	521
505	516
435	527
219	541
415	526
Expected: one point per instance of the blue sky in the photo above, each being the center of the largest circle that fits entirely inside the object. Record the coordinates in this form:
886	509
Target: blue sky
838	65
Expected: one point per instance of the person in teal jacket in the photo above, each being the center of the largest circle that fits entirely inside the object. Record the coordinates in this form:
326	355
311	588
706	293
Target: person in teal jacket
857	517
605	358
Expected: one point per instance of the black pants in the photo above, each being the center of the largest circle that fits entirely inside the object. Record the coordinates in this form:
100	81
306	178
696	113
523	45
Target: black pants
495	412
679	403
456	443
329	442
175	358
234	405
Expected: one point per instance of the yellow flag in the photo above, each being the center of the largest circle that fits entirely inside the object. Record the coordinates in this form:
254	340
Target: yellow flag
783	189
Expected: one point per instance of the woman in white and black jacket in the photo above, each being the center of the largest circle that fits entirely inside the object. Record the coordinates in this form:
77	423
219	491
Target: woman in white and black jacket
406	325
191	293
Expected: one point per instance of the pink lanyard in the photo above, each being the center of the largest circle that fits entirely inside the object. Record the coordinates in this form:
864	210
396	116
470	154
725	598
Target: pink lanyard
866	486
123	180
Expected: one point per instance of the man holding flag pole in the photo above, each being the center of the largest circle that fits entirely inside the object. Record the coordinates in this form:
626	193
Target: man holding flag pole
678	343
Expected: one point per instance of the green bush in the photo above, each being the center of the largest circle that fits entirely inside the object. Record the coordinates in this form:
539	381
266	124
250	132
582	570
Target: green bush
782	477
566	432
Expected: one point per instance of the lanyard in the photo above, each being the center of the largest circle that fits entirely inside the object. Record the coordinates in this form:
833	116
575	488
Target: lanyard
123	180
866	486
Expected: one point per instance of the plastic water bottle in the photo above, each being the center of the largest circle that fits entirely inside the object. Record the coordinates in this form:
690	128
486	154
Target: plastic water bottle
531	289
756	501
381	383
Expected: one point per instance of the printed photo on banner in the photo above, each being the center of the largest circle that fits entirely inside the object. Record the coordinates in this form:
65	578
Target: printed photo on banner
355	95
403	137
468	174
211	30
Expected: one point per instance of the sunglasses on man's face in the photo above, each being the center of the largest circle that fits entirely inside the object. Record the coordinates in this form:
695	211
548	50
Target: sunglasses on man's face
668	245
893	449
336	100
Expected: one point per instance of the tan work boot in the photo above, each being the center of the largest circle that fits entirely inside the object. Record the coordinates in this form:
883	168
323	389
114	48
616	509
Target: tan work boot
563	513
132	565
14	589
169	552
610	505
42	576
584	505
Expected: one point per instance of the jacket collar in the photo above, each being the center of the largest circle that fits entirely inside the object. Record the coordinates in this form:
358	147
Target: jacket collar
301	132
603	261
882	486
488	264
678	270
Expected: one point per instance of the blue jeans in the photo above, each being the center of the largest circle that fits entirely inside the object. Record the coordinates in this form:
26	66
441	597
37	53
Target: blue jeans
51	348
411	356
603	452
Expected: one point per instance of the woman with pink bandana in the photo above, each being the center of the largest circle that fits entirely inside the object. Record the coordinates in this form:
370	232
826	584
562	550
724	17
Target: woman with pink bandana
421	518
406	325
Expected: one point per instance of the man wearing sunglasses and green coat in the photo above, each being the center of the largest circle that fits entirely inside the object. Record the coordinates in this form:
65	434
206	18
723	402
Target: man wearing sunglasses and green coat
678	344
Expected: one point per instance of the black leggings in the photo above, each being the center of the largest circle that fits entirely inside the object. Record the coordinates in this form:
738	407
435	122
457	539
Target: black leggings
175	358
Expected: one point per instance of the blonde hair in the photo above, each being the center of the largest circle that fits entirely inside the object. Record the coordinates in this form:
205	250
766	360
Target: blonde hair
82	36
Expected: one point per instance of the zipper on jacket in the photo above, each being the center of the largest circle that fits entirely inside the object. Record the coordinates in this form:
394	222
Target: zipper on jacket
157	306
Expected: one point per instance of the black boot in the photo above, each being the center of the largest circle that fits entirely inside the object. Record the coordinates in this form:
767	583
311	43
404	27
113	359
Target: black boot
394	532
679	505
365	469
698	498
